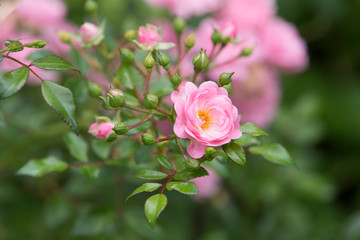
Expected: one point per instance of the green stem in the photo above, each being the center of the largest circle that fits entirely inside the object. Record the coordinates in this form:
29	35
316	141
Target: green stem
147	118
196	74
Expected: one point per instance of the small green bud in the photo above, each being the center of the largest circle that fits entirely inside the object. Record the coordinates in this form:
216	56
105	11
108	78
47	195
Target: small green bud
189	41
216	37
150	101
210	153
149	62
176	80
130	35
148	139
36	44
246	51
179	24
126	55
163	59
94	89
64	37
91	6
201	61
226	40
115	98
120	128
111	137
192	163
225	78
228	87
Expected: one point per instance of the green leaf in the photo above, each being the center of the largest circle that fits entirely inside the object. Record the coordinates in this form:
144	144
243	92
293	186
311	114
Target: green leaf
146	187
140	128
246	140
126	74
163	161
252	129
154	205
77	146
13	81
151	174
161	87
183	187
39	167
91	172
188	174
165	45
2	120
62	100
53	63
235	152
14	46
274	153
101	148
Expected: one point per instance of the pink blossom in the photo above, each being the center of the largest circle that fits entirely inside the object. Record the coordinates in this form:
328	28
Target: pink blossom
101	130
285	48
248	14
229	29
188	8
257	95
205	115
148	35
88	32
207	185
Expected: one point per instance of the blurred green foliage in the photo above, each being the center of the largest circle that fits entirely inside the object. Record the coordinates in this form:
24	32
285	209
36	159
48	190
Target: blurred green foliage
318	122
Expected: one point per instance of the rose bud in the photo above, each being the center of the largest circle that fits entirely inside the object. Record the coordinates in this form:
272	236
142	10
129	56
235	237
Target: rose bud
126	55
148	35
228	31
120	128
94	89
201	61
88	32
164	61
216	37
228	88
179	24
91	6
210	153
246	51
111	137
225	78
150	101
148	139
175	80
115	98
64	37
101	130
189	41
130	35
149	62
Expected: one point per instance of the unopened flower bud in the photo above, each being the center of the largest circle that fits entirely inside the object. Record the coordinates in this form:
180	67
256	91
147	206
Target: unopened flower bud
201	61
216	37
225	78
130	35
148	139
175	80
148	35
94	89
228	88
228	31
120	128
189	41
115	98
111	137
164	60
36	44
179	24
210	153
246	51
64	37
149	62
91	6
150	101
14	46
126	55
88	32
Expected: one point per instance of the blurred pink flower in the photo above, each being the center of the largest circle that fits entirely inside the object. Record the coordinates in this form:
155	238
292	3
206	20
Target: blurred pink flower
101	130
207	185
257	95
285	48
248	14
188	8
148	35
205	116
88	32
229	29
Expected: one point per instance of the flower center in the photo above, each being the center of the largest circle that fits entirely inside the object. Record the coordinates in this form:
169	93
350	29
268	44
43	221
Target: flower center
204	115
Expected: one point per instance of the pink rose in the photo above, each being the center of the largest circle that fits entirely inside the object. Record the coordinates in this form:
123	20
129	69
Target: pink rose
207	185
88	32
148	35
205	115
229	29
285	48
101	130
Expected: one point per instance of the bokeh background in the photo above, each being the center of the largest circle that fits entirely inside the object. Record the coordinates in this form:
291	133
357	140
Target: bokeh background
318	122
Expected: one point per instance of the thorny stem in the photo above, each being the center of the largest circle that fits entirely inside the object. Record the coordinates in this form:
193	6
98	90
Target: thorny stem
23	64
136	108
163	139
162	111
181	147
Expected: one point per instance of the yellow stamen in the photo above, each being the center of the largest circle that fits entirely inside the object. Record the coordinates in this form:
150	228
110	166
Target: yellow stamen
205	117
